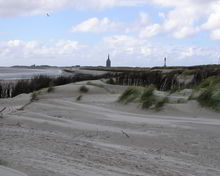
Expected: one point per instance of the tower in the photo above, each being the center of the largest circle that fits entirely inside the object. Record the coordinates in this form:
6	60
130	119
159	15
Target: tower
165	62
108	62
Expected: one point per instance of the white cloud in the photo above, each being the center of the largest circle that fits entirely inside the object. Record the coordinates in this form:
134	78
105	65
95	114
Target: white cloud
122	44
213	17
186	32
180	18
215	35
96	25
144	27
31	7
131	51
142	21
150	31
188	52
177	3
162	15
185	17
15	43
144	18
21	52
124	51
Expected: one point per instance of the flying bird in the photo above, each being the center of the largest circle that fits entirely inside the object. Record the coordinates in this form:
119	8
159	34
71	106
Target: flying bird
48	14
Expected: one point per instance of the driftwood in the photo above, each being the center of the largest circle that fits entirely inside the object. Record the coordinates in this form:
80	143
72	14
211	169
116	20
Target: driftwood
125	134
1	112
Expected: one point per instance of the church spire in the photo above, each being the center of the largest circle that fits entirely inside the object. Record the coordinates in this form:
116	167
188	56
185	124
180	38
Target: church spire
108	62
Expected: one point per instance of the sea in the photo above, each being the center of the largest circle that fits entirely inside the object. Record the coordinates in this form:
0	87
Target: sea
13	74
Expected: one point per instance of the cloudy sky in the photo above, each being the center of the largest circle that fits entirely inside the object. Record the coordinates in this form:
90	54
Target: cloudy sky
134	32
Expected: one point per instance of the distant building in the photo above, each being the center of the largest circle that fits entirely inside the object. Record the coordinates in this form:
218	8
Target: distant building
108	62
165	62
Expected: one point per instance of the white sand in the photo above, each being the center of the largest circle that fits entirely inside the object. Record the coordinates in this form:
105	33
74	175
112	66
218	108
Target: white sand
59	136
4	171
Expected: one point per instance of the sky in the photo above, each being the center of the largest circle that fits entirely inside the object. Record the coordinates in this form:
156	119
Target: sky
136	33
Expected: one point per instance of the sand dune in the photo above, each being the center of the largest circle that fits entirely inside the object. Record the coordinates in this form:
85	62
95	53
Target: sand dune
59	136
10	172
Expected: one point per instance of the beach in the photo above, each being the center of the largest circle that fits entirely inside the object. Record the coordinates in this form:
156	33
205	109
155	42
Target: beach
10	74
58	135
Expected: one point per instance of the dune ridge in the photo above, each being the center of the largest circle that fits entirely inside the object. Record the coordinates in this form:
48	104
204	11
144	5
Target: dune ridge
60	136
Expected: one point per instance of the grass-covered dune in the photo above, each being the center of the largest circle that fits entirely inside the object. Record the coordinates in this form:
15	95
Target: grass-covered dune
207	93
12	89
143	95
167	79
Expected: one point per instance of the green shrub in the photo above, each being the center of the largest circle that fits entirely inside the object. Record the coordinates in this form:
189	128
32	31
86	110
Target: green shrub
143	95
210	93
110	81
210	98
129	95
51	87
3	162
147	93
188	72
173	90
34	96
159	104
210	82
79	98
149	102
147	97
83	89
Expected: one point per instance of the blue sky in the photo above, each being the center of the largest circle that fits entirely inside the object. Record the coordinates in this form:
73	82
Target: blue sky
135	32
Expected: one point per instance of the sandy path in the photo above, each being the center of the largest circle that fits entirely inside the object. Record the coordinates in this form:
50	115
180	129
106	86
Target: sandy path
4	171
57	136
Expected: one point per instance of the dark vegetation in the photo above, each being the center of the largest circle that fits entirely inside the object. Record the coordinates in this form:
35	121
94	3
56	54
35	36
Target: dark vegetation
8	90
130	95
143	69
143	95
79	98
204	80
83	89
110	81
3	162
34	96
166	80
51	87
209	95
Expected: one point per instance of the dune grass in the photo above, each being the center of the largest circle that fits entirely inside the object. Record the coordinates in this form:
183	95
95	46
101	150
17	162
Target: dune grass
110	81
143	95
51	87
210	96
211	82
34	95
130	95
147	98
3	162
83	89
79	98
160	103
207	93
